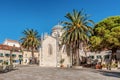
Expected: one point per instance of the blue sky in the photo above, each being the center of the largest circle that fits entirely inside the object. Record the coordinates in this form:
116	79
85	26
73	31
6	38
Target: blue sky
42	15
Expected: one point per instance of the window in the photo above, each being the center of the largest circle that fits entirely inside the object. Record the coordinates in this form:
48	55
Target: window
13	55
7	55
20	56
1	61
1	54
14	61
50	49
99	57
92	57
106	57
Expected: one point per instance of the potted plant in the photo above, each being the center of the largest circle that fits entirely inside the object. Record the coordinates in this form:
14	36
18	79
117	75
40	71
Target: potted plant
114	66
98	66
61	62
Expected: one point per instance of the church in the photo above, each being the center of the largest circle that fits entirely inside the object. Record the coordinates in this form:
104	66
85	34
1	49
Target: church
52	54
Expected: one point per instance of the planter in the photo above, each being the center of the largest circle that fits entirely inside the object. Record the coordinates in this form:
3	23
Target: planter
61	65
98	66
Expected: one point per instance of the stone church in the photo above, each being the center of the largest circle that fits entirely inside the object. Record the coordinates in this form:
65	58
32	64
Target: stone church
51	53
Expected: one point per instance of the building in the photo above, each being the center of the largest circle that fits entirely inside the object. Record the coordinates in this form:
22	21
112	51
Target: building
20	55
50	51
5	51
103	56
11	43
27	56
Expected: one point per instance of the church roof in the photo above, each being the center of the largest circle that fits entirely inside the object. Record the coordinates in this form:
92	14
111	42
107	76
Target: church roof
57	27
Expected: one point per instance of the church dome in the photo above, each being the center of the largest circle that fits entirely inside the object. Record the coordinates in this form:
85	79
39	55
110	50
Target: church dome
57	27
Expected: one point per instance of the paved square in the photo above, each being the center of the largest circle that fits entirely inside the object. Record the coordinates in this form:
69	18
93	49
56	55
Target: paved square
38	73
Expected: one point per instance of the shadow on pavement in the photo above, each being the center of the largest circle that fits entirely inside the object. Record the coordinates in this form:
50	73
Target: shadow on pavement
110	73
9	71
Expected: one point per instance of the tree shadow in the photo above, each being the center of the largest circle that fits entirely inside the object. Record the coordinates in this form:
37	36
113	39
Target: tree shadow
3	72
108	73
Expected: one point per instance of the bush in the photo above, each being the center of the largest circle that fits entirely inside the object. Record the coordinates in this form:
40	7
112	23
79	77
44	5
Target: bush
5	63
115	65
104	65
62	60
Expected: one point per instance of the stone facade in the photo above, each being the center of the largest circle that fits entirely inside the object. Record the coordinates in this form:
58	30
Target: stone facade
48	58
50	52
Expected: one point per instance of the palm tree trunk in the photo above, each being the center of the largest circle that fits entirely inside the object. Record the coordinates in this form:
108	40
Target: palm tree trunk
11	60
71	57
11	51
112	56
33	58
21	50
22	56
77	58
71	54
85	57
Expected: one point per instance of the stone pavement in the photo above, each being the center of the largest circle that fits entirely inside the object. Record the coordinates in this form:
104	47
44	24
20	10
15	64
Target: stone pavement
39	73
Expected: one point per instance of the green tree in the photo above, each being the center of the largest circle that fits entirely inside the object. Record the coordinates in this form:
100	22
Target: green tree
77	32
30	41
107	35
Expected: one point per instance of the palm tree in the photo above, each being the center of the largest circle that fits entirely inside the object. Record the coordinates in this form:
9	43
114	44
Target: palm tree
11	52
77	32
30	41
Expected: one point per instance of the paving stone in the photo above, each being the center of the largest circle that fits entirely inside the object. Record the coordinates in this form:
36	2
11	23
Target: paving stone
40	73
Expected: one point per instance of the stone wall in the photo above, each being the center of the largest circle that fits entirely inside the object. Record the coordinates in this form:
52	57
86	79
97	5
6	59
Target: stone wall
46	58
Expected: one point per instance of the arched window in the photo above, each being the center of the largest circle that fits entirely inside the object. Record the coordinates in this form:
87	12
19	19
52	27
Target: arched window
50	49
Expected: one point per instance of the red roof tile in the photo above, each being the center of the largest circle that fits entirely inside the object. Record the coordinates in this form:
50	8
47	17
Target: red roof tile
6	47
14	41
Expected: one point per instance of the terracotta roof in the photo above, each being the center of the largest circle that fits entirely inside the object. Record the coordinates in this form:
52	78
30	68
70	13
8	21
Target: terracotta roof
14	41
6	47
